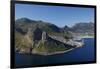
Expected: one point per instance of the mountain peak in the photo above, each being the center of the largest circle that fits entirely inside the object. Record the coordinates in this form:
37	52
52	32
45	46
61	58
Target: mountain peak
23	20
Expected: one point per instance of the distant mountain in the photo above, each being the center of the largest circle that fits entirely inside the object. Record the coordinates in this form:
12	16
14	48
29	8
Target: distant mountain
25	24
25	20
66	28
83	28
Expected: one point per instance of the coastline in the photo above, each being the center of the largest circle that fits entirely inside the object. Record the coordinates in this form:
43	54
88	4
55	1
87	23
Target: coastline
58	52
36	59
87	36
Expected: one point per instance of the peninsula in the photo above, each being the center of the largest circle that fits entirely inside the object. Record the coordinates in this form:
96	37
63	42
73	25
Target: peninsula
44	38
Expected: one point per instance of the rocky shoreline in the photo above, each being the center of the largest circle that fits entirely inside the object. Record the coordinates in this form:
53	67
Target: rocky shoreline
44	44
45	54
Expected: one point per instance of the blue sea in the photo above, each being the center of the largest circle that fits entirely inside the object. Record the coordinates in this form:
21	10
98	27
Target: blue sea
82	54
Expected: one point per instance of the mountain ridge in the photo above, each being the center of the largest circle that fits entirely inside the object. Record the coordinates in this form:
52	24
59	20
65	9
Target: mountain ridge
39	37
78	27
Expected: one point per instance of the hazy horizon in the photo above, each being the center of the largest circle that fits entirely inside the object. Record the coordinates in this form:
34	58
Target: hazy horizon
57	15
54	23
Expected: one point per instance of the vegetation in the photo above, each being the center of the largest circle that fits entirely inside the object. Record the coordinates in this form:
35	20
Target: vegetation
22	43
41	47
25	39
51	46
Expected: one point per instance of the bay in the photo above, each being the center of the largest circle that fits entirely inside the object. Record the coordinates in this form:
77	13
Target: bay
82	54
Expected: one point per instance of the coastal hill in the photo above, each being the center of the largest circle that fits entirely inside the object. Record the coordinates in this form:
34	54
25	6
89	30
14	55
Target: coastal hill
39	43
44	38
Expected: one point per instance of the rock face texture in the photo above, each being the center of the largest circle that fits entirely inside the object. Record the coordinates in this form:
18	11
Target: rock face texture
37	34
39	42
44	38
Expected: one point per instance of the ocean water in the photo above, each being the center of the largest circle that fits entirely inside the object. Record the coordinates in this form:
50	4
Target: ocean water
82	54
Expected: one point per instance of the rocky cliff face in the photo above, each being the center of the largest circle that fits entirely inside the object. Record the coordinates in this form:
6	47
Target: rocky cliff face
38	37
39	42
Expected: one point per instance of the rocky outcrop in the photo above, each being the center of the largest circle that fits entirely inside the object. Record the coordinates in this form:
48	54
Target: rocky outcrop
37	34
39	42
39	37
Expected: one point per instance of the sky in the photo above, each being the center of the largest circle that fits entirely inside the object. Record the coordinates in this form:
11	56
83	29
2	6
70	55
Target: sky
57	15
